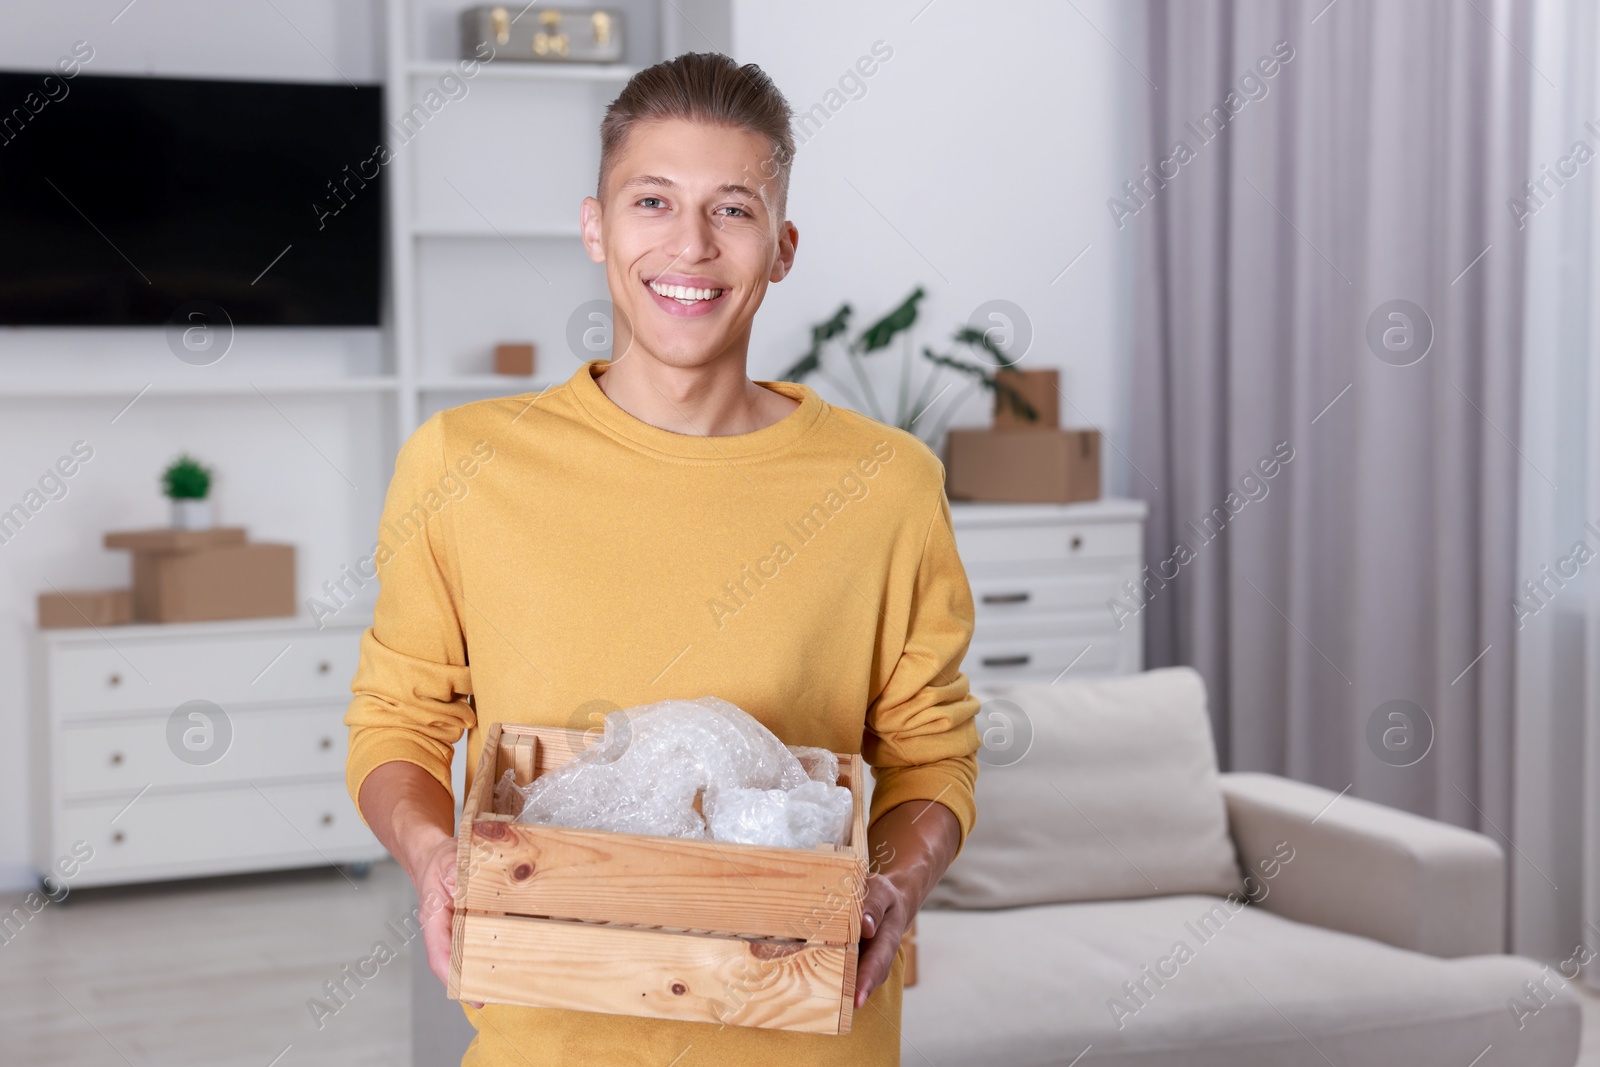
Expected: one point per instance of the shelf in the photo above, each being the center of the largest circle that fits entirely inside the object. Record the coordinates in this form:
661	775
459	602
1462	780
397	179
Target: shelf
132	387
479	232
512	70
477	383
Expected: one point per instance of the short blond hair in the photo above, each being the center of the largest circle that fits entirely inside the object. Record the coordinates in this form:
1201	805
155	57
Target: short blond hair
709	88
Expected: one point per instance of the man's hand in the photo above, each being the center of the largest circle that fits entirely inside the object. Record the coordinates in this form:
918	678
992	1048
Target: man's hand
413	816
436	886
911	845
883	923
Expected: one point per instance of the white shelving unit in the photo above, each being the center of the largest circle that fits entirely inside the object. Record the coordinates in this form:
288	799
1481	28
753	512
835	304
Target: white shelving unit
484	197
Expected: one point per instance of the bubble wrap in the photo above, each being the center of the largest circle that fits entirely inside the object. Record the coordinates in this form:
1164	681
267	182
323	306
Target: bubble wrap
664	768
802	817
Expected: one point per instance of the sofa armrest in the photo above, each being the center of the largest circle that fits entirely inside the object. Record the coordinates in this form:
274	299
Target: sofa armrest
1367	869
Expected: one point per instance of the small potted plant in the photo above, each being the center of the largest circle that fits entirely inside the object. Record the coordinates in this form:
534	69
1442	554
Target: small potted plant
187	484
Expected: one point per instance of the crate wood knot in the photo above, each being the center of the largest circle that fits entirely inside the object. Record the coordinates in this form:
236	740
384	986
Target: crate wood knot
772	950
522	872
679	989
496	831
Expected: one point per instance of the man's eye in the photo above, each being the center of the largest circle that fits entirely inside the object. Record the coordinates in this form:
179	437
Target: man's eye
740	210
657	199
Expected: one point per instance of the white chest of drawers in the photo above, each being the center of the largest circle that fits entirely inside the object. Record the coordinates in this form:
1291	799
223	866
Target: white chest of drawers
183	750
1041	577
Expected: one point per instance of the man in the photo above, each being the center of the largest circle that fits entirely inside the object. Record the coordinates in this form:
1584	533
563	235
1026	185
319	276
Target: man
662	526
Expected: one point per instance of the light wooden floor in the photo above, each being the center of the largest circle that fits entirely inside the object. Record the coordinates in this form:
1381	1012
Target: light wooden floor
218	972
214	973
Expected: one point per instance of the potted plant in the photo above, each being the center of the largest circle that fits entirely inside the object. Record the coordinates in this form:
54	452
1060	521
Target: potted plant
187	484
913	400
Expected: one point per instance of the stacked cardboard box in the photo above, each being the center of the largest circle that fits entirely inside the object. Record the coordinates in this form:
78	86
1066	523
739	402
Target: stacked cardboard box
203	575
1018	461
85	607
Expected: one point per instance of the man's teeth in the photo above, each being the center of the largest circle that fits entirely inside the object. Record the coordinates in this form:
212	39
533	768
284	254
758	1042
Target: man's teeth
684	294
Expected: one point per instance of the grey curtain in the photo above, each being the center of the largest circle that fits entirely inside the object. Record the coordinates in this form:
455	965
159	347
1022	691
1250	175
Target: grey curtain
1351	612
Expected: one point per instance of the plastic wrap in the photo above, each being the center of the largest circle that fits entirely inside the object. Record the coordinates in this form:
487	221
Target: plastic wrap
663	768
802	817
820	764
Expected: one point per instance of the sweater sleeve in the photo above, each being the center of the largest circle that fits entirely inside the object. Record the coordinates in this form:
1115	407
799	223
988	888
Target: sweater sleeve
921	740
412	682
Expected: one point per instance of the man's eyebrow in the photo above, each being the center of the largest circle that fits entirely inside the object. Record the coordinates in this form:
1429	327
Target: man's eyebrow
668	183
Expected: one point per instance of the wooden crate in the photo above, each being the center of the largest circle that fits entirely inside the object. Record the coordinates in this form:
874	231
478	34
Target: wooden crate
663	927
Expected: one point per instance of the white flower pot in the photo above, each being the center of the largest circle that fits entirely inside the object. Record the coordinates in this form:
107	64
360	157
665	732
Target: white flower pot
191	514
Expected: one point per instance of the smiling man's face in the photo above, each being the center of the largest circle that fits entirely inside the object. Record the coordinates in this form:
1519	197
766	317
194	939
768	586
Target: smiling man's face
690	239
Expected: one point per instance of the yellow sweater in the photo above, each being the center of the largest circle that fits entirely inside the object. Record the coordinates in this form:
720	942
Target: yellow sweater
547	558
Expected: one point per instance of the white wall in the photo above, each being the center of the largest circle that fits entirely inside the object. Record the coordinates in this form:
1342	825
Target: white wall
271	479
977	163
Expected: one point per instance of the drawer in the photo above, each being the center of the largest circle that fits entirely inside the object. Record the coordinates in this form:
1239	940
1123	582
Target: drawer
1084	590
281	825
1042	651
161	673
260	744
1053	543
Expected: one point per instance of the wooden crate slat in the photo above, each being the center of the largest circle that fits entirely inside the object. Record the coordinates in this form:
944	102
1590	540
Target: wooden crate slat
477	800
556	872
685	977
525	749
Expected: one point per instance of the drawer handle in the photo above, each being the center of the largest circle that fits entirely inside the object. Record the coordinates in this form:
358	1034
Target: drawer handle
116	837
116	759
1007	661
327	818
1077	542
114	681
324	667
1007	598
325	743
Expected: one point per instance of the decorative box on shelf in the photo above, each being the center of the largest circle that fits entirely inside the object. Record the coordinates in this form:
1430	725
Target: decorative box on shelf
662	927
191	749
548	34
1045	579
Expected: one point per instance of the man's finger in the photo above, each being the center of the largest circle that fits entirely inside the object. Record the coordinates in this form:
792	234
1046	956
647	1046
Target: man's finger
871	965
874	911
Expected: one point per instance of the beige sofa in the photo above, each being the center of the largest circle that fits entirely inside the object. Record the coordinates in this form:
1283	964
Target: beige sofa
1316	929
1120	902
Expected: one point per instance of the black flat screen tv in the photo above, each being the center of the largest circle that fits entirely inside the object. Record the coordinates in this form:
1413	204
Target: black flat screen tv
124	199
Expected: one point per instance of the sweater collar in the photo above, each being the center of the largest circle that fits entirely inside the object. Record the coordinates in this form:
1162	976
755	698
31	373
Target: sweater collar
602	410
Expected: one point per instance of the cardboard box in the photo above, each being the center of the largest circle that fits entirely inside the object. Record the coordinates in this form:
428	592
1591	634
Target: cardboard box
1041	388
660	927
205	575
85	607
514	360
1023	466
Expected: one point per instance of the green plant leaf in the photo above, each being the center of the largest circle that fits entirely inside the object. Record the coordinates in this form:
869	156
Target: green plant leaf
821	333
803	368
1019	405
979	339
831	328
186	479
971	370
880	333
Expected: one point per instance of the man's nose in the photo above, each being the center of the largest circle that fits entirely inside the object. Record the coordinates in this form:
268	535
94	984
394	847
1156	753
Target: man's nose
694	236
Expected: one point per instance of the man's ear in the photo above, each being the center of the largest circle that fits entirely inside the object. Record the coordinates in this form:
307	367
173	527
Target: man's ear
589	224
788	241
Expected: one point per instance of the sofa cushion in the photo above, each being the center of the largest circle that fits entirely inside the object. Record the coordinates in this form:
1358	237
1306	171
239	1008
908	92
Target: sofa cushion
1029	987
1116	797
